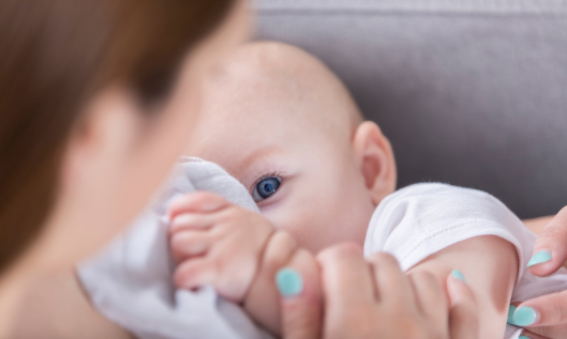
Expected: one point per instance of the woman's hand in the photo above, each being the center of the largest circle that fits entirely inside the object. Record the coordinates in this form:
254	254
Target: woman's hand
369	299
550	250
548	313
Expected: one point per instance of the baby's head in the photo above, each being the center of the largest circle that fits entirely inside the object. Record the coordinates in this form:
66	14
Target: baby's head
280	122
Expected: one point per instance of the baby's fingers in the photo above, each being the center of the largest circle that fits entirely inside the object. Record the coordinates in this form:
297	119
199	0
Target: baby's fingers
188	221
188	244
463	313
197	202
229	272
195	273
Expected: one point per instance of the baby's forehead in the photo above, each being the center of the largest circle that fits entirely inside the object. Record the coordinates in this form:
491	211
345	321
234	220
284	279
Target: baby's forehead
259	69
271	95
277	79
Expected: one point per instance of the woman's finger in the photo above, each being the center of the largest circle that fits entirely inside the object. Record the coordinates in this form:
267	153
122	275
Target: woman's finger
550	251
546	310
280	251
531	335
430	297
393	287
463	312
197	202
343	266
301	301
547	332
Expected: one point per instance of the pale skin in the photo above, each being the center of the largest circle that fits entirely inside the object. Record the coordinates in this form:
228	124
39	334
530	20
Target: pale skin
363	299
115	158
369	307
551	309
274	111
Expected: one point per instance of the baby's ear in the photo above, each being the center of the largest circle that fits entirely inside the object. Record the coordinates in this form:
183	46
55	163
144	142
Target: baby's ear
376	160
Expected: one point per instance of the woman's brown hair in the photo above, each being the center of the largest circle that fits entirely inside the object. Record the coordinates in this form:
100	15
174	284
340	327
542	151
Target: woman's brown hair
54	56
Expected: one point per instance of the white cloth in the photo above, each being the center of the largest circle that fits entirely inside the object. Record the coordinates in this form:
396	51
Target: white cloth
422	219
130	281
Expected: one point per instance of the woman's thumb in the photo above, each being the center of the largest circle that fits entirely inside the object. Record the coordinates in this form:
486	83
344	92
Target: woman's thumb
299	288
463	311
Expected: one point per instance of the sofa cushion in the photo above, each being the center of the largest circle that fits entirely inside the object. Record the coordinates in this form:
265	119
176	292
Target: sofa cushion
472	93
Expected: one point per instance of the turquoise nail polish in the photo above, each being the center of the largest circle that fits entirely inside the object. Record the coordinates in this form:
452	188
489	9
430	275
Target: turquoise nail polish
539	258
524	316
524	337
511	311
289	282
458	275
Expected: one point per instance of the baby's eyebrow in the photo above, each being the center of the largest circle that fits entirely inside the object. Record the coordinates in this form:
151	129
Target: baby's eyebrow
254	155
259	153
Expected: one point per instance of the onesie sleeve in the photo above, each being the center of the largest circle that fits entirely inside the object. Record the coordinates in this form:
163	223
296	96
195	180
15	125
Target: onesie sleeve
422	219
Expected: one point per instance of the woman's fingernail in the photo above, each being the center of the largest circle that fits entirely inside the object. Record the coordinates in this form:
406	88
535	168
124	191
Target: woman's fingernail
539	258
525	316
289	282
524	337
511	311
458	275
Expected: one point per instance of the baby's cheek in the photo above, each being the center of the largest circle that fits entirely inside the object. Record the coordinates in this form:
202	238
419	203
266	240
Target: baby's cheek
299	223
318	215
348	222
329	229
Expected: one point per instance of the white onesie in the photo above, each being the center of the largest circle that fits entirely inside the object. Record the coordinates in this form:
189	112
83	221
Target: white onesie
130	281
422	219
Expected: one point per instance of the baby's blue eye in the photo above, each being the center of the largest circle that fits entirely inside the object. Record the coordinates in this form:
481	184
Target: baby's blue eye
266	188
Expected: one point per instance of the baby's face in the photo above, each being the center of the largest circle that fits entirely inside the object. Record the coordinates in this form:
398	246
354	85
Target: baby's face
296	161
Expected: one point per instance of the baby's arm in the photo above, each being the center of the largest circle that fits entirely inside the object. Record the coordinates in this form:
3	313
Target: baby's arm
236	251
490	266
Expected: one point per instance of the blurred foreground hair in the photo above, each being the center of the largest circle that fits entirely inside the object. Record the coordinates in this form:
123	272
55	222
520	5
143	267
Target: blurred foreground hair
54	56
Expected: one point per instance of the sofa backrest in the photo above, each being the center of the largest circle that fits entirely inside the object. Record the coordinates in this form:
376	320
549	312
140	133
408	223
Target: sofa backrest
472	93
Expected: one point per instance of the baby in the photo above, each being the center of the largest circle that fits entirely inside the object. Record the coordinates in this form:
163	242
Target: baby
282	124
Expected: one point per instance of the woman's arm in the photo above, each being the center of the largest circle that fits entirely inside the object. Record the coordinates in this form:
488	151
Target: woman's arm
57	308
481	260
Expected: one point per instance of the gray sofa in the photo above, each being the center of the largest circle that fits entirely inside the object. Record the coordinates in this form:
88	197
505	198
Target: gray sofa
470	92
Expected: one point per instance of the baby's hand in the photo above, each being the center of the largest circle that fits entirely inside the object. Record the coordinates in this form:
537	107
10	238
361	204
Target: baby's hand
216	243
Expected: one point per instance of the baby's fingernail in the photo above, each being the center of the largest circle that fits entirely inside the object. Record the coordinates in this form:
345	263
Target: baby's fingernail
539	258
525	316
458	275
289	282
511	311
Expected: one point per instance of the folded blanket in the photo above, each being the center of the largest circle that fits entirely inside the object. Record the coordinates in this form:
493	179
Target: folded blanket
130	281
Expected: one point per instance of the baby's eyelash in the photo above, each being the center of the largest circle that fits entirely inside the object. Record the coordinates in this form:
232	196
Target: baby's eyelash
266	176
